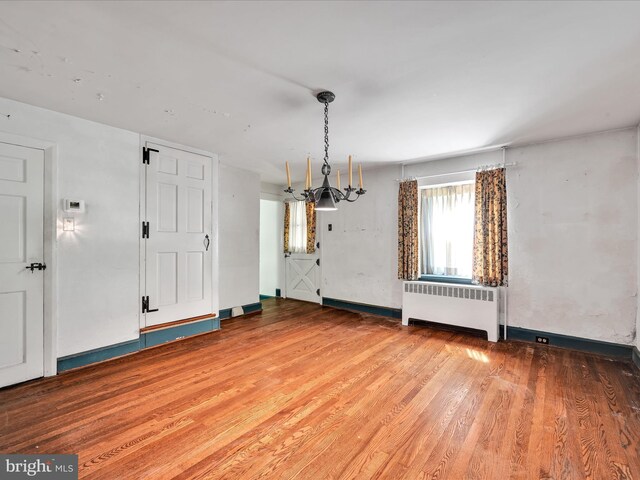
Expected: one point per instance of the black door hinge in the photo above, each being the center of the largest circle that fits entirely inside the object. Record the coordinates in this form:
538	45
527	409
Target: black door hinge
318	292
146	154
145	305
318	261
145	229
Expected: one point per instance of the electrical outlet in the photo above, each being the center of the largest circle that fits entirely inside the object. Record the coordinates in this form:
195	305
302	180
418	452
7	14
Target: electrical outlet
330	227
543	340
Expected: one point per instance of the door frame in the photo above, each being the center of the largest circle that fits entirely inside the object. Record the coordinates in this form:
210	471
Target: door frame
318	252
215	300
50	224
281	260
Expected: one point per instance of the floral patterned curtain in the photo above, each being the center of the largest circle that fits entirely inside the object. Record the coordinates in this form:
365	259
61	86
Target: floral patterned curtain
287	222
408	230
490	251
311	227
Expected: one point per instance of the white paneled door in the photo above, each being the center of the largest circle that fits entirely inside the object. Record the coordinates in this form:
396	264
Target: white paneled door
21	248
178	257
303	277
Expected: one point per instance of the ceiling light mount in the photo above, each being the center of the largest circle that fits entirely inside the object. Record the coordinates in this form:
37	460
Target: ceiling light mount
325	197
326	97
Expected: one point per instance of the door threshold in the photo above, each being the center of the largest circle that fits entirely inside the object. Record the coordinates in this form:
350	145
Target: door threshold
162	326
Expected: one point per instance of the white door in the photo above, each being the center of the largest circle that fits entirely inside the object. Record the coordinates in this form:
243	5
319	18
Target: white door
178	257
303	276
21	245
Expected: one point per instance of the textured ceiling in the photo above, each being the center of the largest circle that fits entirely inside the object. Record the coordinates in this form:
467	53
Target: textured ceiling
413	80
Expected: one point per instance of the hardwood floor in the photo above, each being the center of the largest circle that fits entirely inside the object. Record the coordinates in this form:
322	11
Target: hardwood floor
306	392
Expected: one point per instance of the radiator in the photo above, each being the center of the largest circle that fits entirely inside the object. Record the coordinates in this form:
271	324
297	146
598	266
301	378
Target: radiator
460	305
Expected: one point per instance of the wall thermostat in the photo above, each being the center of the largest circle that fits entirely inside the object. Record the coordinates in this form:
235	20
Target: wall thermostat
71	206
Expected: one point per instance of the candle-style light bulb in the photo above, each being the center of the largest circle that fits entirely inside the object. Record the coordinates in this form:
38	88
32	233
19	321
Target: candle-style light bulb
288	176
360	174
338	179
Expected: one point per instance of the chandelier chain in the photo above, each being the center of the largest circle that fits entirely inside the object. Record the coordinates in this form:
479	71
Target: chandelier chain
326	133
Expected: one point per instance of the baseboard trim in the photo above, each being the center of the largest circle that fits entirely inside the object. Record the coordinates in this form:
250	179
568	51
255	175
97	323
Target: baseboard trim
635	356
157	337
252	307
98	355
179	332
265	297
146	340
362	307
567	341
248	308
513	333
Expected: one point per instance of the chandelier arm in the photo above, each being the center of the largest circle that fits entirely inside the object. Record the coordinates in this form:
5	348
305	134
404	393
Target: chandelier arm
337	194
348	192
358	192
304	196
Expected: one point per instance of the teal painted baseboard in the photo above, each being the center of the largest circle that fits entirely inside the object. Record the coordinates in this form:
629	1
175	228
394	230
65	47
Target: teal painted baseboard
566	341
252	307
158	337
97	355
249	308
146	340
362	307
513	333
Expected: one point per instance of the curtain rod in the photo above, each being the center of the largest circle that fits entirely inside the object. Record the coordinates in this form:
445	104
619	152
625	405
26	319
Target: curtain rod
477	169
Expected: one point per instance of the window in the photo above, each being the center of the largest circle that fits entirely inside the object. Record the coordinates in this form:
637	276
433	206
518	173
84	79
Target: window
446	230
298	227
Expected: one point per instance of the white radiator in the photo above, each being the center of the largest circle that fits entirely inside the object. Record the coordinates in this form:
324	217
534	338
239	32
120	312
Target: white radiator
460	305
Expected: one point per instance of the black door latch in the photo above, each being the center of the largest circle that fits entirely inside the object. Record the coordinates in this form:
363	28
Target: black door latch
36	266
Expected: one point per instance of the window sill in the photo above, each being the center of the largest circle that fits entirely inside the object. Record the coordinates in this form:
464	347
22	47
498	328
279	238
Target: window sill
446	279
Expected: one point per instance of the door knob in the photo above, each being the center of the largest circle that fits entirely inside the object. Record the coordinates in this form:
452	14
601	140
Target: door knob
36	266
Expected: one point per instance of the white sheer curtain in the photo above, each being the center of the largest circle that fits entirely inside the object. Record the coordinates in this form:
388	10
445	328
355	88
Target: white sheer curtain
446	230
298	227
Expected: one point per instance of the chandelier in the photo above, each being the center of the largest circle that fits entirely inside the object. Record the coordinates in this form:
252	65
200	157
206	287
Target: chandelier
325	197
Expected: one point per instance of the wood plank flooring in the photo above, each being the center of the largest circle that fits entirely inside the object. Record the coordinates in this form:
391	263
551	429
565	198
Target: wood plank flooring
305	392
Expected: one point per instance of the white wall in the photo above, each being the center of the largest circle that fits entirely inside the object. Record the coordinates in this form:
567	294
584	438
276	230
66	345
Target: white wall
239	211
270	191
359	256
98	298
573	227
97	273
270	249
638	240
